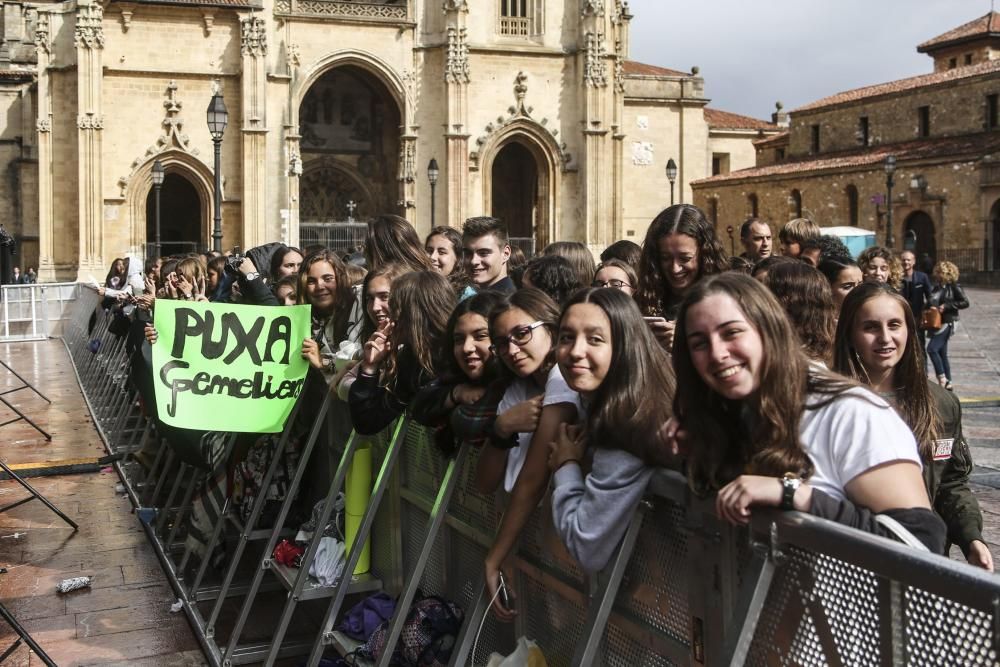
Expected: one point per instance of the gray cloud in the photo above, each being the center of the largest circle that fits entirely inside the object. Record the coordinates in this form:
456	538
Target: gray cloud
754	52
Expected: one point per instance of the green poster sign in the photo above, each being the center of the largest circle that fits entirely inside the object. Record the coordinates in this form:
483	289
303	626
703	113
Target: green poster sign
225	367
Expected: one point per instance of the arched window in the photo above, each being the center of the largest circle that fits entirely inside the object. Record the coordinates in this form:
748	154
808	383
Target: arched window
795	204
754	206
713	210
852	205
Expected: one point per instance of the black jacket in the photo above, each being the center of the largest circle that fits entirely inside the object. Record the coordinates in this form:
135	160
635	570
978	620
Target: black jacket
951	299
917	292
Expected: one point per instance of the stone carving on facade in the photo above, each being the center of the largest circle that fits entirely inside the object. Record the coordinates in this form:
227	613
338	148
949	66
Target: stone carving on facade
520	112
408	160
457	65
253	37
621	12
90	121
294	55
591	8
295	165
208	19
42	36
595	72
89	32
126	10
619	67
173	126
342	9
455	6
43	125
642	153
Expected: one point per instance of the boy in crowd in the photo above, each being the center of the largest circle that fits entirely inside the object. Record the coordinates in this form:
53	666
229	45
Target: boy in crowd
795	233
487	251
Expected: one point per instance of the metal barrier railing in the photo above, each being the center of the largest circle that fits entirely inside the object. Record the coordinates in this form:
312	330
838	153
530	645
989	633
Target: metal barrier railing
682	589
35	311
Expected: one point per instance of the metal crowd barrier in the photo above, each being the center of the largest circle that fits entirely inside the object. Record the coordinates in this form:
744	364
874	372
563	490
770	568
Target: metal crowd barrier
35	311
682	589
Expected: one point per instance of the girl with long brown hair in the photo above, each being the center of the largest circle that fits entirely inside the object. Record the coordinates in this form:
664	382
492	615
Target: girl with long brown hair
877	345
323	285
391	238
602	329
405	352
764	428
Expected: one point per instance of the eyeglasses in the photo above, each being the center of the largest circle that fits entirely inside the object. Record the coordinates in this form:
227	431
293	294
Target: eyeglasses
520	336
616	284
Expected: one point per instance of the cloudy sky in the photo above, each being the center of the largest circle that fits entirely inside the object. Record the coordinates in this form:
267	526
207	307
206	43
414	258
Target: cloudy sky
754	52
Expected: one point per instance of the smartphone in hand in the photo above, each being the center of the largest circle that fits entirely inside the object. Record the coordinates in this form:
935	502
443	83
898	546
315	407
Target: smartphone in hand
505	598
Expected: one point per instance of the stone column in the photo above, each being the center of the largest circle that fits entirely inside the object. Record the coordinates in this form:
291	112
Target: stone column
253	46
620	19
597	153
43	124
89	41
456	83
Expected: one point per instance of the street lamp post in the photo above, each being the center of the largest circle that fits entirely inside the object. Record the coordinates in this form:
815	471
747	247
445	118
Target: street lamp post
217	118
157	184
890	169
432	175
671	176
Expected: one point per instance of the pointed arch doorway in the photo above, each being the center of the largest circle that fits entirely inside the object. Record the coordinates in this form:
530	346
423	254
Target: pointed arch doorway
918	235
181	222
520	192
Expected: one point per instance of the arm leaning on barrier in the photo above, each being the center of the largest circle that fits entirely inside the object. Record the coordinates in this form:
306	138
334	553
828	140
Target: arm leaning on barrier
591	514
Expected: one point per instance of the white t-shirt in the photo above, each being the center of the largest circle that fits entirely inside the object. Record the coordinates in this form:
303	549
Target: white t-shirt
556	391
855	432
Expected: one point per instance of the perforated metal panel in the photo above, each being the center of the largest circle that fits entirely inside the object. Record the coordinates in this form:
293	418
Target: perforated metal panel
468	505
551	619
655	586
820	610
943	632
624	649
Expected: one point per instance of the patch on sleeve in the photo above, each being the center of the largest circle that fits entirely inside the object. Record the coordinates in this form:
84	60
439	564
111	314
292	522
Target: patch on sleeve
942	449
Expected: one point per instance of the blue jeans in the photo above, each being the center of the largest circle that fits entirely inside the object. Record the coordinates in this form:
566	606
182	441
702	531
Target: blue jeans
937	350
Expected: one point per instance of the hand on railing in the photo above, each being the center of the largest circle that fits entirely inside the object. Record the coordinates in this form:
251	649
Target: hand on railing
735	499
980	556
150	334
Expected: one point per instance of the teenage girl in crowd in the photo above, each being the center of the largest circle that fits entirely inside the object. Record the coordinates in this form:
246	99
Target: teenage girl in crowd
405	352
764	428
880	265
467	374
679	250
553	274
616	274
391	238
323	285
444	247
948	297
805	295
843	274
578	256
877	345
522	330
603	329
285	263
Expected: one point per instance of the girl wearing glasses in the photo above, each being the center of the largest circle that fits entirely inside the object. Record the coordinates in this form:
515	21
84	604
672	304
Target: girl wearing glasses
603	329
616	274
537	401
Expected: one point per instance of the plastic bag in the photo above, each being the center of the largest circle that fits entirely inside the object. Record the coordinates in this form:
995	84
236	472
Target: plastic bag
527	654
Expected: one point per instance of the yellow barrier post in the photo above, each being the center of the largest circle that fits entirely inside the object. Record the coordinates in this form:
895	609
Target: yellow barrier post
358	491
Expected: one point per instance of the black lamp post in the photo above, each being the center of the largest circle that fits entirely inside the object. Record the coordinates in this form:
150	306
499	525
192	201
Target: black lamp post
157	184
432	175
671	176
217	118
890	169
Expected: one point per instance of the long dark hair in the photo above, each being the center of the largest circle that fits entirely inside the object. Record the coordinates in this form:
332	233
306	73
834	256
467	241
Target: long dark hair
539	306
481	304
278	258
808	301
722	443
344	295
458	278
654	295
911	393
391	238
633	402
420	305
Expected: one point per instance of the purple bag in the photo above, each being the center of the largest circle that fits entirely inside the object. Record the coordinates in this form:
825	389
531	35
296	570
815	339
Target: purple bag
363	618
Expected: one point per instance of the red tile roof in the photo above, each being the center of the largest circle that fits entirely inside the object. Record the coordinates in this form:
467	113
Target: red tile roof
724	120
16	75
633	68
901	85
780	139
984	26
968	146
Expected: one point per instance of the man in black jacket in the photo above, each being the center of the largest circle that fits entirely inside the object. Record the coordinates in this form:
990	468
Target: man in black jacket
916	289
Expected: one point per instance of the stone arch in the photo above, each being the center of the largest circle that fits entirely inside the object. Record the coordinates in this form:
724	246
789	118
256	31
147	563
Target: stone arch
993	238
919	235
356	188
547	156
140	184
366	61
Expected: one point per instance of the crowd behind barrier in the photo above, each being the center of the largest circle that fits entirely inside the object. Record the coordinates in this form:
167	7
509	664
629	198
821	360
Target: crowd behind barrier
682	589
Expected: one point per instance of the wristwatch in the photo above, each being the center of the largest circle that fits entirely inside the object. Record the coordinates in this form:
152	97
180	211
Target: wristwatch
790	483
253	275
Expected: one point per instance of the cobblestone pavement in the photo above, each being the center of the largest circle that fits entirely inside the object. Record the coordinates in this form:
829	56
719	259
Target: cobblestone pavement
974	352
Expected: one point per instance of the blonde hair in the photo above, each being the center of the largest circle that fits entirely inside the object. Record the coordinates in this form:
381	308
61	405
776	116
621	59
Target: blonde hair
895	266
945	273
799	231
